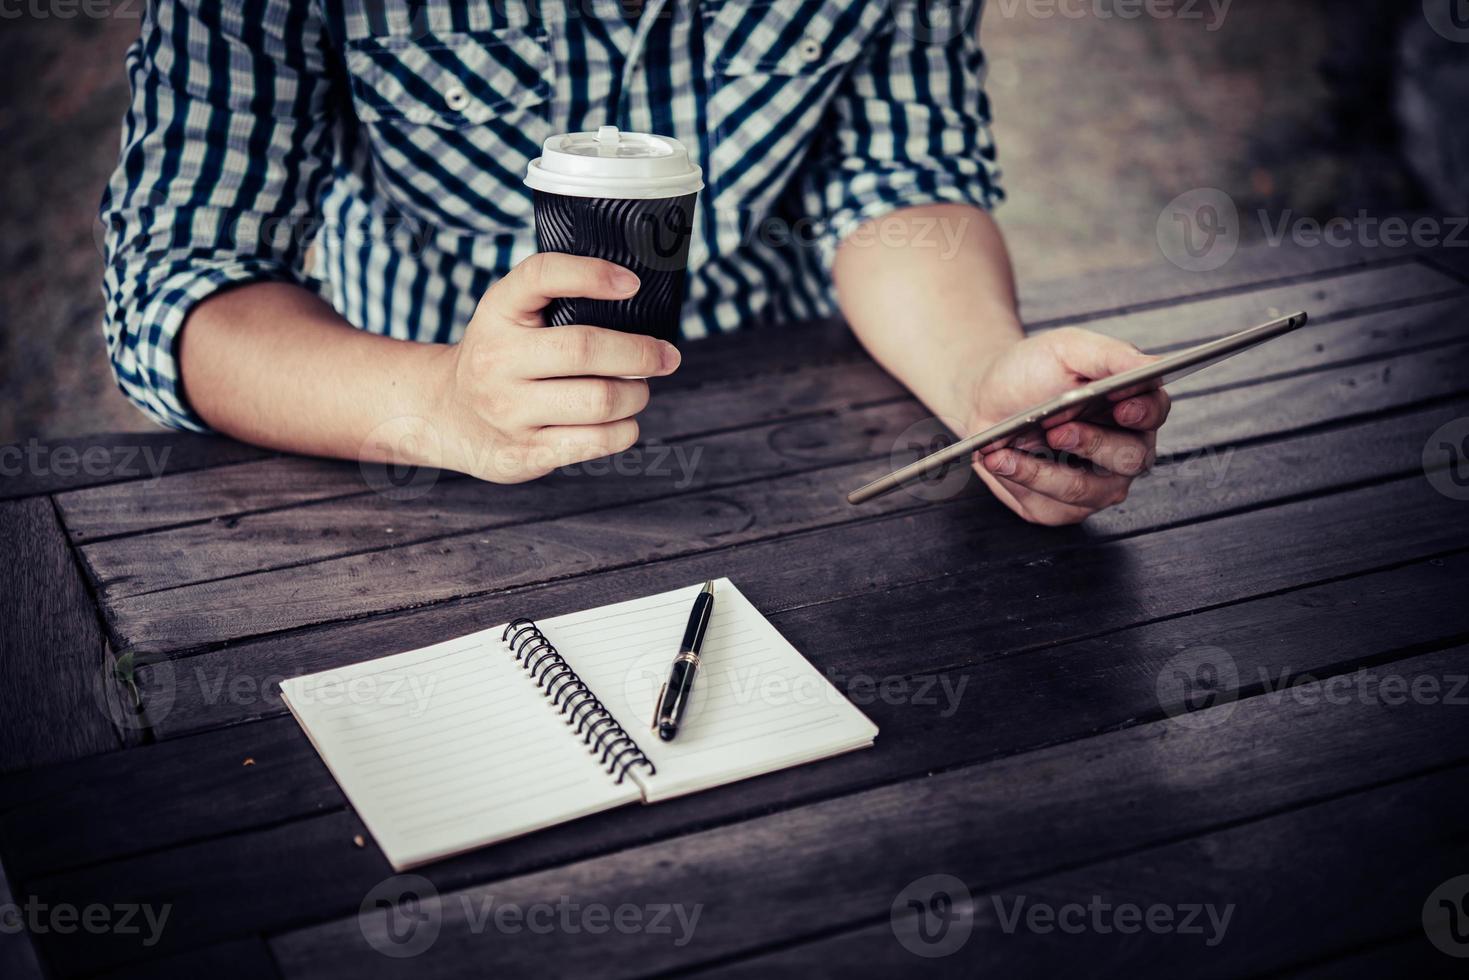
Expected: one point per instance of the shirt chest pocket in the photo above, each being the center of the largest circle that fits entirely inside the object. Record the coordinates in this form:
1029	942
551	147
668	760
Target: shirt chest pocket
772	67
452	119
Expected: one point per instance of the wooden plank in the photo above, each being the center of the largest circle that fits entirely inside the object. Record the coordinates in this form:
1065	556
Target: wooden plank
47	466
1327	299
1359	340
719	406
991	824
1454	261
51	649
519	555
1382	852
202	495
999	704
18	959
255	775
197	688
331	835
239	959
724	397
372	522
1296	765
328	839
202	551
1408	956
1076	299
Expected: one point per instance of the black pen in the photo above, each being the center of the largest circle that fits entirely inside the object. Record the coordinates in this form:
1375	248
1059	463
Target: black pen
673	700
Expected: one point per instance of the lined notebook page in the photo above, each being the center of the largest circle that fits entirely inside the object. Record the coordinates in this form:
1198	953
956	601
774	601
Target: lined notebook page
758	705
449	747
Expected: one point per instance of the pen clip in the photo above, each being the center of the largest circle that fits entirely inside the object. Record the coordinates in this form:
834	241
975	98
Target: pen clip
658	706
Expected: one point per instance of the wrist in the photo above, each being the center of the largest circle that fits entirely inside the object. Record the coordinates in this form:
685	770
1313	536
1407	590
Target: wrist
970	375
414	430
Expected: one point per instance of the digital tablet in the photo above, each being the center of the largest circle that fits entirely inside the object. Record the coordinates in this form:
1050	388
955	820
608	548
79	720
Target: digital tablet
1077	400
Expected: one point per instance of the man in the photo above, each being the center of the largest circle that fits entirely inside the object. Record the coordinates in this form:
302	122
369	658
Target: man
392	137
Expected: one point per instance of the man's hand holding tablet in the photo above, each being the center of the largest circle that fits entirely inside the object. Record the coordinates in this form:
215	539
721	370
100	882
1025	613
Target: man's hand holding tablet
1106	402
1108	446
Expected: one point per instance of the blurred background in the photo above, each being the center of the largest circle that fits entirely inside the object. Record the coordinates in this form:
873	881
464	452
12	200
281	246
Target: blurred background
1105	111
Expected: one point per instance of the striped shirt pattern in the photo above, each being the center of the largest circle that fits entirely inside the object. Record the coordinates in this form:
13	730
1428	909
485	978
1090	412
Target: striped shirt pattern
393	135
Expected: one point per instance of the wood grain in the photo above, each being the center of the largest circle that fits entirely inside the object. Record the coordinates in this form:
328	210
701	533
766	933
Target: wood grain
1401	837
1315	549
718	401
1005	701
196	688
18	959
520	555
1123	292
238	959
52	693
48	466
367	522
980	824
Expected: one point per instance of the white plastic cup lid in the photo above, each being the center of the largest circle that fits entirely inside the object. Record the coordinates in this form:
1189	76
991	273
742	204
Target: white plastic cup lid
611	163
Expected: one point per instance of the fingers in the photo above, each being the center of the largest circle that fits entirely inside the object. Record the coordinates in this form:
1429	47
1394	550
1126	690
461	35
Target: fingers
1144	412
567	444
1073	486
1040	509
1093	355
584	401
569	352
1117	451
529	287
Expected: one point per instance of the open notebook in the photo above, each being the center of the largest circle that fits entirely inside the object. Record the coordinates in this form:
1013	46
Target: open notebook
461	744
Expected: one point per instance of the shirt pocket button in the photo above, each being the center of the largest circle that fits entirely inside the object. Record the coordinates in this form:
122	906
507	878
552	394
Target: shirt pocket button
809	50
456	99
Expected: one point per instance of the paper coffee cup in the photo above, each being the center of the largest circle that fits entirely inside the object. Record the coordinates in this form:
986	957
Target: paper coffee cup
627	198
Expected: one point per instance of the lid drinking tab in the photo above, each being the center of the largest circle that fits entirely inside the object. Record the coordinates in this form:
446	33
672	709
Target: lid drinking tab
614	164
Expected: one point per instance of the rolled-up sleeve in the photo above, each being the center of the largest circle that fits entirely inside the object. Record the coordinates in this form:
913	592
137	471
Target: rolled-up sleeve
225	147
909	126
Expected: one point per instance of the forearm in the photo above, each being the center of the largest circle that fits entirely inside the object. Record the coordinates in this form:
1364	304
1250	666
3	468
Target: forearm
930	293
274	365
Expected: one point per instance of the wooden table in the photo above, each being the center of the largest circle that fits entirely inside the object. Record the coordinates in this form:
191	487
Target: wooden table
1290	532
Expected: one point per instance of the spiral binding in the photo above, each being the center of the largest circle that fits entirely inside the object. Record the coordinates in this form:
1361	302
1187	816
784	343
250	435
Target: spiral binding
583	711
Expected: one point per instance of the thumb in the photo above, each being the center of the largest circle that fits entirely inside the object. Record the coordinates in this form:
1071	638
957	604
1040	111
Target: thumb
528	288
1094	356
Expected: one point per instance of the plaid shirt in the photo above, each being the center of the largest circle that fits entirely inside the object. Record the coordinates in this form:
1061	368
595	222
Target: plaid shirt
394	135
